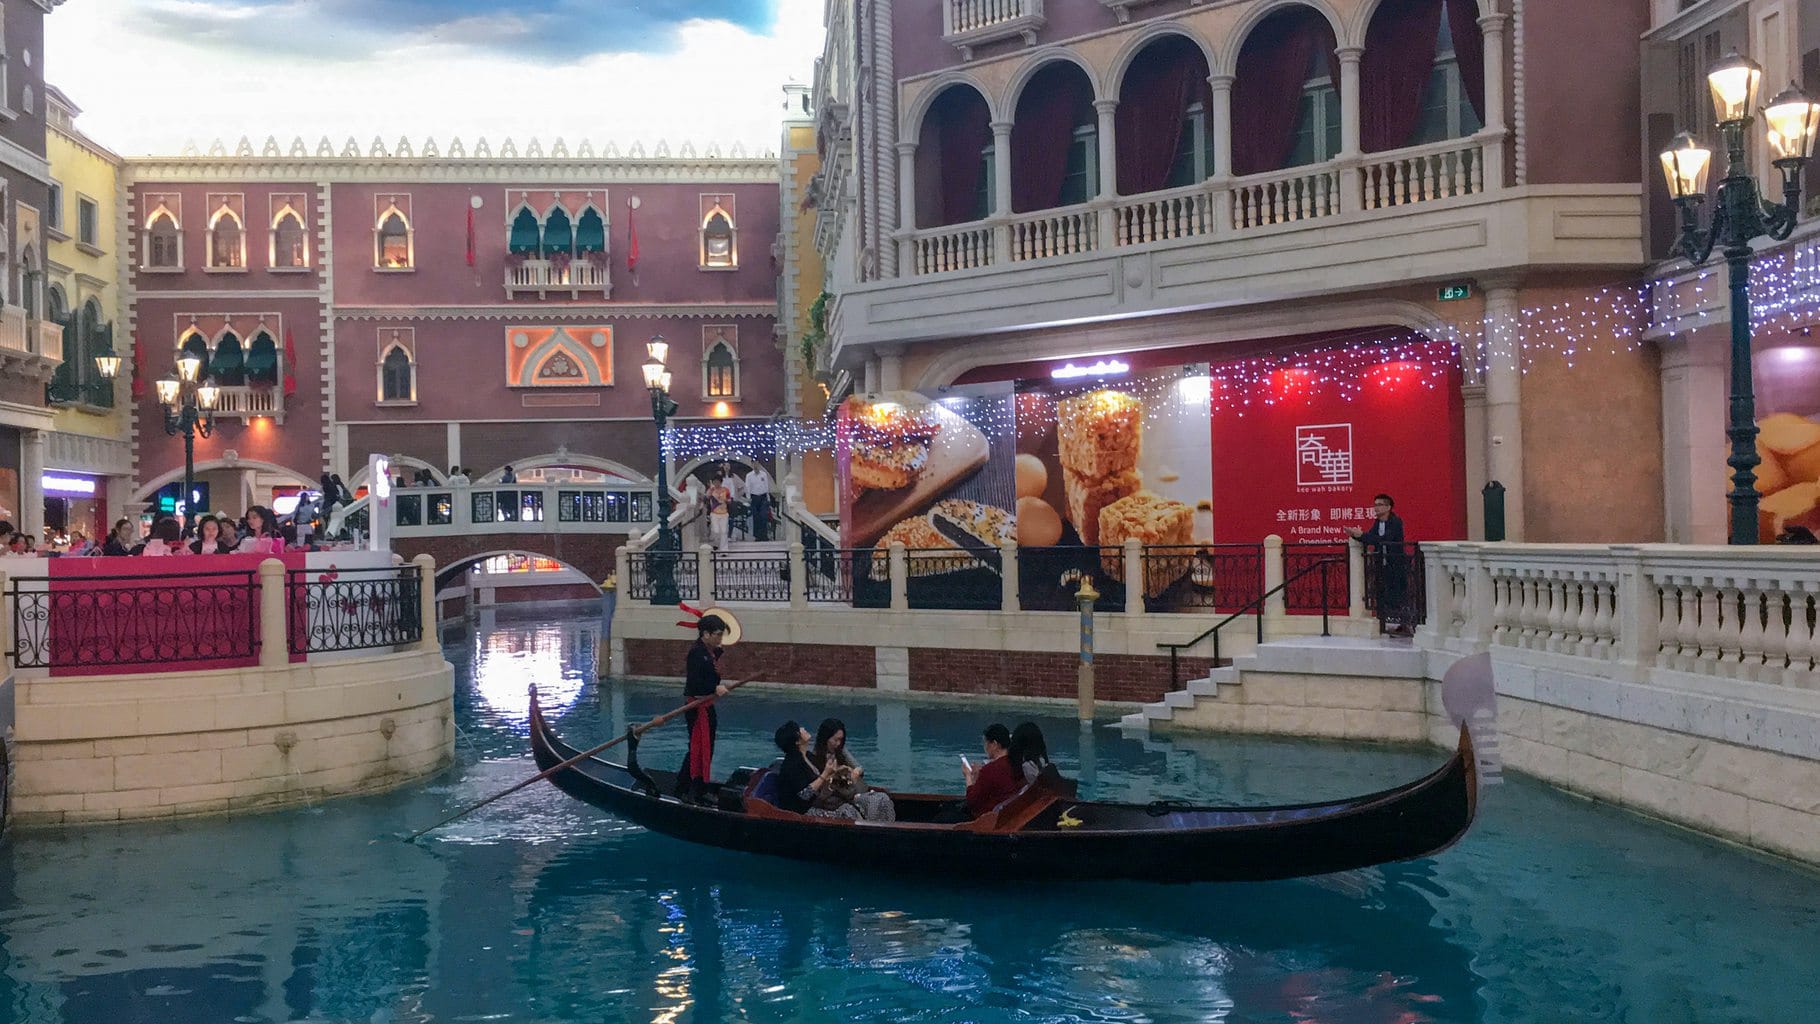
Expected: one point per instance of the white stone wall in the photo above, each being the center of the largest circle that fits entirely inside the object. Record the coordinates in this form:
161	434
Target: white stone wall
148	746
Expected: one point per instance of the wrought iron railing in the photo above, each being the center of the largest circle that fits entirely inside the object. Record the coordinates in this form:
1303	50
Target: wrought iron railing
751	577
684	567
828	573
352	609
135	620
951	580
1202	577
1049	578
1328	589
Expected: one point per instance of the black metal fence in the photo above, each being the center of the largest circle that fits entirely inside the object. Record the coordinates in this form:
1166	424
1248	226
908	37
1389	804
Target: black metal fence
646	566
136	620
1328	588
751	577
352	609
830	573
944	579
1049	578
1201	577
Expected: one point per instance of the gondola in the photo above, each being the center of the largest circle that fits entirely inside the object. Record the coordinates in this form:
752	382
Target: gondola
1042	833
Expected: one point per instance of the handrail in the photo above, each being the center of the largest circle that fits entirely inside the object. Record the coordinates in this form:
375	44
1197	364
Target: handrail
1257	605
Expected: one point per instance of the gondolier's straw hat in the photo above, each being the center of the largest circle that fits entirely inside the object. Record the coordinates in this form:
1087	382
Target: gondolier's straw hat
734	632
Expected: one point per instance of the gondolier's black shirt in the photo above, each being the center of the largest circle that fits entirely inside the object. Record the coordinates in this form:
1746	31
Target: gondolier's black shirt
703	672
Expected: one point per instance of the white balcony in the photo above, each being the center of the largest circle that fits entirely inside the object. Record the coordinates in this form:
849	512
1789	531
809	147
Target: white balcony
1122	8
1429	213
36	345
244	402
970	23
571	276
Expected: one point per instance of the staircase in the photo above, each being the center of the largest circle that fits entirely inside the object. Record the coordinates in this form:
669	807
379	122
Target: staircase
1312	686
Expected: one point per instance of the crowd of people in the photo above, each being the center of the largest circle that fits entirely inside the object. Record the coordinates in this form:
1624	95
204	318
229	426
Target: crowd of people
730	495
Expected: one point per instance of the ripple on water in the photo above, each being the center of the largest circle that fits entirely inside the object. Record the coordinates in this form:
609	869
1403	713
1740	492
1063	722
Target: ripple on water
540	910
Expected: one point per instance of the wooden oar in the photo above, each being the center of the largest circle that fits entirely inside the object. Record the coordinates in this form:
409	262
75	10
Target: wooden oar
637	730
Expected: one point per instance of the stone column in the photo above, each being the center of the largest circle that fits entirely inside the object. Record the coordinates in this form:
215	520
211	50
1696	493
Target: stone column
1008	596
1492	27
1504	402
1001	192
872	375
454	446
884	136
799	577
900	577
704	573
1274	606
1134	576
1351	196
1694	447
1355	580
426	601
274	651
31	485
249	490
906	207
890	367
1219	127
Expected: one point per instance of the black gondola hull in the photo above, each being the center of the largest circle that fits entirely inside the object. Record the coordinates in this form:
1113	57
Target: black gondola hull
1412	821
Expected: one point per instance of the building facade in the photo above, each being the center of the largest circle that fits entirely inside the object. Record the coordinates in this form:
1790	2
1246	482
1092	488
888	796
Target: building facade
30	342
475	308
88	455
1420	219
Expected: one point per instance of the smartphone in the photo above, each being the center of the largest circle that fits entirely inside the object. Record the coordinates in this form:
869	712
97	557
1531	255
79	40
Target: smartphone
966	765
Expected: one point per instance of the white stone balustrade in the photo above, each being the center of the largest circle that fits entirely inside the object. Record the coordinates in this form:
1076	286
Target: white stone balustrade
969	23
1422	174
1285	197
1658	613
1061	232
1164	216
941	250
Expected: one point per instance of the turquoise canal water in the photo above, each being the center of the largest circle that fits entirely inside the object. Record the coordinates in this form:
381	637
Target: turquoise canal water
540	909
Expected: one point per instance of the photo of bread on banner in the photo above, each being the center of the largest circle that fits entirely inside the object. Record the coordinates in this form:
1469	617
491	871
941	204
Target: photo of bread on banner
1099	439
904	453
1788	478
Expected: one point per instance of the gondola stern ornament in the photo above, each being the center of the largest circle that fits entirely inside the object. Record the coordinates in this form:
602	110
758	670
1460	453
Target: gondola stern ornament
734	632
1470	697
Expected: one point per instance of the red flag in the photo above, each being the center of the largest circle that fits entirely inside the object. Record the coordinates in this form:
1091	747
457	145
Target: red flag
470	234
290	363
632	243
138	367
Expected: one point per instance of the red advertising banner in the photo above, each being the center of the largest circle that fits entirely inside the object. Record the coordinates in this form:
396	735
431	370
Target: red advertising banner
1299	455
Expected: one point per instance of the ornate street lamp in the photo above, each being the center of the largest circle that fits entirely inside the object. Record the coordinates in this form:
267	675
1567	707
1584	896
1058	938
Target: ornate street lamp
1739	217
669	545
189	409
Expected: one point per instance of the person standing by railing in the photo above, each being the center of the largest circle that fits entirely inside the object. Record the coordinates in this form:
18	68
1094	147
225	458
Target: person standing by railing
1386	558
720	506
758	490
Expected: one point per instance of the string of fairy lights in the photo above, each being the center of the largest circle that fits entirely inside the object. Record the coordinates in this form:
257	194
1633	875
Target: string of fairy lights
1610	321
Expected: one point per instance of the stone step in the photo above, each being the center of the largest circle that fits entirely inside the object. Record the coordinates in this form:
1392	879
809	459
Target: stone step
1226	675
1208	687
1136	722
1180	699
1159	712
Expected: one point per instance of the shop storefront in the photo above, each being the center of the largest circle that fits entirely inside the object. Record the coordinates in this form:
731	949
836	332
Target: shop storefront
10	507
74	501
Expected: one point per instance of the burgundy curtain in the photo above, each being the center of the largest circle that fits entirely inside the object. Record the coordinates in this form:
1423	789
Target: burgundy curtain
1393	73
1267	91
1153	103
964	130
1469	50
1047	113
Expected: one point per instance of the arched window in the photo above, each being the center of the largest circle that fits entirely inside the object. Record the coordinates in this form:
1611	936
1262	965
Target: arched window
590	232
392	241
56	307
720	372
397	376
1054	140
558	233
62	386
290	246
228	367
262	360
1285	104
717	241
163	242
1448	111
194	344
227	241
525	237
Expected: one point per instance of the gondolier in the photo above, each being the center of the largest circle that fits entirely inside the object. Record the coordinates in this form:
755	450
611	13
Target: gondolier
715	631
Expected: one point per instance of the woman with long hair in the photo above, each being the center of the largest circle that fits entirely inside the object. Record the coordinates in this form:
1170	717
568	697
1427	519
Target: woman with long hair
208	537
1029	754
800	786
166	539
849	778
261	533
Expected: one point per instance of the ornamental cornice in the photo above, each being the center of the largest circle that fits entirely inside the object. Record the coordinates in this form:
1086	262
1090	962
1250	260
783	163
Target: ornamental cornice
620	311
394	171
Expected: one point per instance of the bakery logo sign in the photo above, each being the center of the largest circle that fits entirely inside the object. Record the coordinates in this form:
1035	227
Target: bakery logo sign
1323	455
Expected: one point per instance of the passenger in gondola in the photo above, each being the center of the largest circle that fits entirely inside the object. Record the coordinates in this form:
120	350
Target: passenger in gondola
1029	758
849	778
801	787
701	679
994	782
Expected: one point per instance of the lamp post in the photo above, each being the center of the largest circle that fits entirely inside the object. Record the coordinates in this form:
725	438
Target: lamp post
669	545
1740	216
189	410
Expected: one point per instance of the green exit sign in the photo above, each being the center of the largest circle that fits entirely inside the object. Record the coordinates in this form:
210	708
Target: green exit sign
1453	292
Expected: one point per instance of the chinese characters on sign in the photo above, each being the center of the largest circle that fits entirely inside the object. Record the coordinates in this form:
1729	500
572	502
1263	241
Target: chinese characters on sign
1323	455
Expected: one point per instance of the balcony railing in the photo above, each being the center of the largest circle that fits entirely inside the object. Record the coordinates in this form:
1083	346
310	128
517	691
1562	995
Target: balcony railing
246	401
970	23
1211	209
544	276
41	338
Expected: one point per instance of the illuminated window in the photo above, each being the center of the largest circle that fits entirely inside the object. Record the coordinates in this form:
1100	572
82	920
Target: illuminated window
392	242
290	246
227	241
163	242
720	372
718	247
397	376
